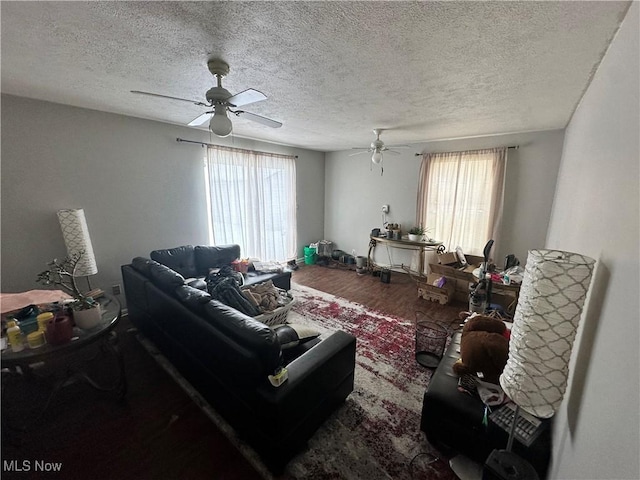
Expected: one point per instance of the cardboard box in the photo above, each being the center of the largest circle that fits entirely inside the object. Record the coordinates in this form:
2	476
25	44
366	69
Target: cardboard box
448	258
504	295
453	270
442	295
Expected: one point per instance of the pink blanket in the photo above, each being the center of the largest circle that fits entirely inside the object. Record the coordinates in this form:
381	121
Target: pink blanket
15	301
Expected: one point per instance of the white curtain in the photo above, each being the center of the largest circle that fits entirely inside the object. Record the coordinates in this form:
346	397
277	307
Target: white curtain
252	202
460	196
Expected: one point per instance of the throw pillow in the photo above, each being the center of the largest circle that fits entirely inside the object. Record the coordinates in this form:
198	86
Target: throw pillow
292	335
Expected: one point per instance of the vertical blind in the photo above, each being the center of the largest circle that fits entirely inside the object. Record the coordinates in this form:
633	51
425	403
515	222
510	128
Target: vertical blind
252	202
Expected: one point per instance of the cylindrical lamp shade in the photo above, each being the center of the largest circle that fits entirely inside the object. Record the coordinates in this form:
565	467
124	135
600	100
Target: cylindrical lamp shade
76	238
553	291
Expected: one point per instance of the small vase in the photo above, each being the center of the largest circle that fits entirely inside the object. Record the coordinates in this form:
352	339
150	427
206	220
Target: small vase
415	238
89	318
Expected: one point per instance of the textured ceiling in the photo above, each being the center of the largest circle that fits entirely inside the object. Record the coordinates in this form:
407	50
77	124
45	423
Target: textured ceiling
332	71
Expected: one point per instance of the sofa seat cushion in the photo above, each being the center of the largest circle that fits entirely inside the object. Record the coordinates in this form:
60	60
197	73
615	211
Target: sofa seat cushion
181	259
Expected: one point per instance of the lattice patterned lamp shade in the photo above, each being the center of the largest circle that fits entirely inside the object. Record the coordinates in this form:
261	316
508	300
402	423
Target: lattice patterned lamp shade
552	295
76	238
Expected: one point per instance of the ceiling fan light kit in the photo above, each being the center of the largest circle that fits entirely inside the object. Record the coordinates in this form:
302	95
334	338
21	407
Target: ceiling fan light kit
220	124
376	157
221	100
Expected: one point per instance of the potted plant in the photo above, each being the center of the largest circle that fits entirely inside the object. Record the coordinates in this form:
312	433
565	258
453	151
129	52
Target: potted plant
416	233
86	311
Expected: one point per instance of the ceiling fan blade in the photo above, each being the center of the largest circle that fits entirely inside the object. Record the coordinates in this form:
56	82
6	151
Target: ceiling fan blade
397	146
257	118
200	120
392	151
195	102
358	153
246	97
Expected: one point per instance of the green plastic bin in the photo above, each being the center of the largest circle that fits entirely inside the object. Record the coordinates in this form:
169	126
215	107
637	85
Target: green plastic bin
310	255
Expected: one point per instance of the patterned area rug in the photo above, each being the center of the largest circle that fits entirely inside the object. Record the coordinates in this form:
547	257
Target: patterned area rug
376	433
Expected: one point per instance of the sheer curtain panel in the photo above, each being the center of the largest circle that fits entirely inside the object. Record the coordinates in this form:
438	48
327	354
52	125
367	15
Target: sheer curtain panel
252	202
460	196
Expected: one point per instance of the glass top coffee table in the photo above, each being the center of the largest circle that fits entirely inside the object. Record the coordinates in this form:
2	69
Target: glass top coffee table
69	361
110	308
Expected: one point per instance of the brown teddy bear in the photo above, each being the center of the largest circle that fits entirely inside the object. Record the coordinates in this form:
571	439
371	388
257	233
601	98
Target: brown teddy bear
484	348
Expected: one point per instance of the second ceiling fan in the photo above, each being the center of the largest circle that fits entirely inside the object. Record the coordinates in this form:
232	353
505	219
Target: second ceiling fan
377	147
221	101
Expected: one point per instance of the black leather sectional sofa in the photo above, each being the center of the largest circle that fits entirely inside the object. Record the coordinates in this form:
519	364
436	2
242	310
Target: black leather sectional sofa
228	356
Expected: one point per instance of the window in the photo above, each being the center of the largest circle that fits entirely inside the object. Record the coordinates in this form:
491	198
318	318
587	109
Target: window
460	197
252	202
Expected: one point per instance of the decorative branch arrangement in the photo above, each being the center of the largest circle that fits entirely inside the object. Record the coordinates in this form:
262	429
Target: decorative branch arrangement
61	274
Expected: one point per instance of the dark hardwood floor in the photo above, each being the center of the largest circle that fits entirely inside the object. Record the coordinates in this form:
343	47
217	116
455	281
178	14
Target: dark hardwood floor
158	432
399	297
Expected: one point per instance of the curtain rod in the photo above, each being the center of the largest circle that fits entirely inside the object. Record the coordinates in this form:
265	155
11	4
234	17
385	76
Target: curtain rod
204	144
511	147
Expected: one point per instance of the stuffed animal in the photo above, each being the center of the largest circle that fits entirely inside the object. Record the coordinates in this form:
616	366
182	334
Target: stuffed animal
484	348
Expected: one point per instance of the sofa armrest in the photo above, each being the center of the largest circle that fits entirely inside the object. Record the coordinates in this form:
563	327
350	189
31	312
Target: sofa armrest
321	369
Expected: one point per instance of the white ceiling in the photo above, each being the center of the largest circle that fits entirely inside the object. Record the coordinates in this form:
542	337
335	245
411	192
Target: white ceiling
332	71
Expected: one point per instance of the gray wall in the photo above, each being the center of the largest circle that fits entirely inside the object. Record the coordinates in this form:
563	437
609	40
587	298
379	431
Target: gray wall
355	193
139	188
596	212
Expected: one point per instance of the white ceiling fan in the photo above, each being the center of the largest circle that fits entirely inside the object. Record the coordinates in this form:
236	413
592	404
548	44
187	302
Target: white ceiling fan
221	101
377	147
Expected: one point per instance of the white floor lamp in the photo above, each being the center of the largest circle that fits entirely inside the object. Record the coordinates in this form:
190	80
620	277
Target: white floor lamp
545	323
552	296
78	242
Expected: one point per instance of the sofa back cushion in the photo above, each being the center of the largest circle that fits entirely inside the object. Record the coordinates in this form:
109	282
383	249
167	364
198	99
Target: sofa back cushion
165	278
244	330
194	298
142	265
207	257
181	259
